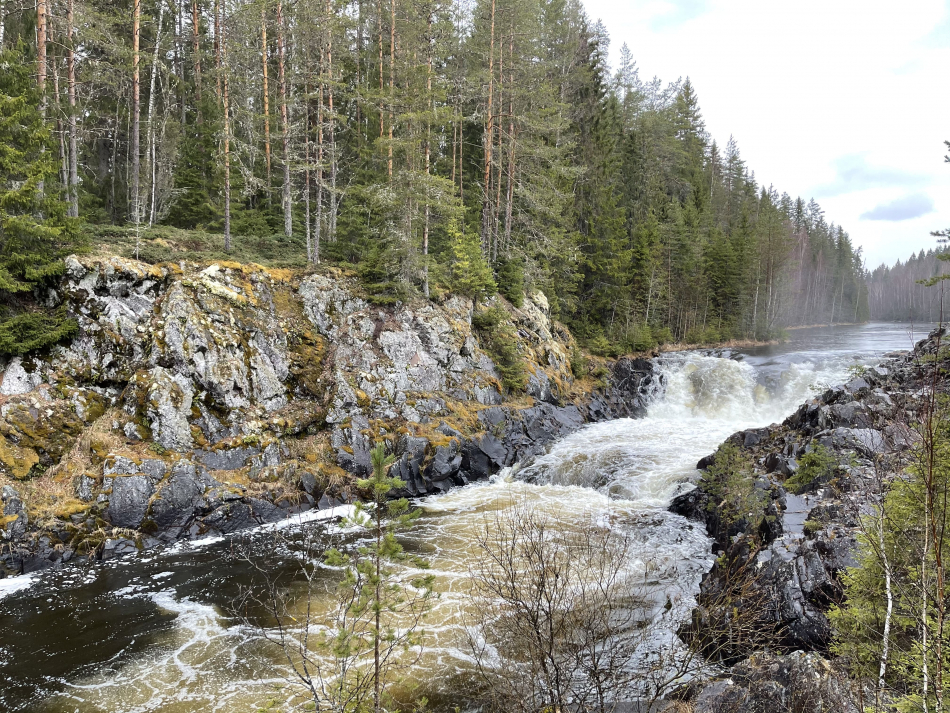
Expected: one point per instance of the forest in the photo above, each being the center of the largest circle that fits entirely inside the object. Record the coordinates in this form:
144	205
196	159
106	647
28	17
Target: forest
905	291
428	145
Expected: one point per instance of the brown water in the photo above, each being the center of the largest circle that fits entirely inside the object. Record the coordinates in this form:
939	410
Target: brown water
158	631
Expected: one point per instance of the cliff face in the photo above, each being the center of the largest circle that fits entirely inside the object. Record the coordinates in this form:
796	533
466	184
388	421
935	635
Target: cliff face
205	399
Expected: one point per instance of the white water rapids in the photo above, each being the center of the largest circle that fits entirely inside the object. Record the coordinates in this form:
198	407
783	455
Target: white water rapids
176	650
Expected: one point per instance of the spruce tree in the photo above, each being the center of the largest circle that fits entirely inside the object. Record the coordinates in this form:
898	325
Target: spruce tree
35	234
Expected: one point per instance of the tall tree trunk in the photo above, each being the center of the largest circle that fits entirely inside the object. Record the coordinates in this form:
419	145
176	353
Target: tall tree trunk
318	223
509	199
60	130
429	110
73	183
306	169
379	23
488	142
41	39
378	607
196	52
392	81
331	121
178	8
267	155
888	591
359	63
136	113
3	23
501	101
226	102
216	8
285	123
152	151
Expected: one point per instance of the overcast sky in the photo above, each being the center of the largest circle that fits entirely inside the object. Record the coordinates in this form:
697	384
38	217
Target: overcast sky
846	101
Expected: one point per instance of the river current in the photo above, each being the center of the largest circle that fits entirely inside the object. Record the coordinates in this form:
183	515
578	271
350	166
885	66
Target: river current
157	632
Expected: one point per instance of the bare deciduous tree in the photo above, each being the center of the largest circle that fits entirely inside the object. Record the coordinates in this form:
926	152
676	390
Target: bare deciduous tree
561	621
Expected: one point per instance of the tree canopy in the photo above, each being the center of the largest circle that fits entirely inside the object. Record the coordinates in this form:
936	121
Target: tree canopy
415	140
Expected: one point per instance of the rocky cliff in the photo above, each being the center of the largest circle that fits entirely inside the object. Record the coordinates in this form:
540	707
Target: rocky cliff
203	399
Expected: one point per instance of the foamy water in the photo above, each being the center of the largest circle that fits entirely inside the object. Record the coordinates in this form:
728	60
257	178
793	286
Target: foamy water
173	644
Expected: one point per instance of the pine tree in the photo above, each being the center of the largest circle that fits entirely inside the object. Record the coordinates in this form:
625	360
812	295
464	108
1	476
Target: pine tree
383	612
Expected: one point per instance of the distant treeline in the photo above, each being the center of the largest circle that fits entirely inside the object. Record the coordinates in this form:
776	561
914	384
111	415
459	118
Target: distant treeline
897	293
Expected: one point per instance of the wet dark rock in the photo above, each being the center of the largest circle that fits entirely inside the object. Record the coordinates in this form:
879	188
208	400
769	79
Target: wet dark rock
749	438
901	437
856	386
781	464
227	458
153	468
241	514
771	527
174	508
129	500
408	467
118	547
631	381
492	416
832	513
308	482
868	441
539	386
851	415
12	507
446	462
693	505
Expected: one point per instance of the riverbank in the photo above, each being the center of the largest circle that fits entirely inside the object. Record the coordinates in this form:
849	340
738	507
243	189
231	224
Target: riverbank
780	566
200	400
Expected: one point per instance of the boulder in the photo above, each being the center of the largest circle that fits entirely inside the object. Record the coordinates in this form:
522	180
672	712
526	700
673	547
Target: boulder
119	547
769	683
175	505
15	518
693	505
227	458
129	500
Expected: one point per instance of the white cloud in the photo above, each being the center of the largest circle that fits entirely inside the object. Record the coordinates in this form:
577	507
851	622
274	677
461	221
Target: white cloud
844	99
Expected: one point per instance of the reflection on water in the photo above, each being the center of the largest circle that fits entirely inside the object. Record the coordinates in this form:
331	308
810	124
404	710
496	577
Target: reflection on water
157	633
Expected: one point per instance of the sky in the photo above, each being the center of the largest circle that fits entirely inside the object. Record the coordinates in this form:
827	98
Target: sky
845	101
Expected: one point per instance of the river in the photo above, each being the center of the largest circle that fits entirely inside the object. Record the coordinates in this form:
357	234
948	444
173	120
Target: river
157	632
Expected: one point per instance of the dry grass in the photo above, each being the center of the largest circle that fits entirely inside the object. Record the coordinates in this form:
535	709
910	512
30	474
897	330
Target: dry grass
52	496
47	498
96	442
308	448
679	707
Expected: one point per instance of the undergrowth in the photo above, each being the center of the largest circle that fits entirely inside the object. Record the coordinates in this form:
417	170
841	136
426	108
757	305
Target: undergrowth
498	337
167	244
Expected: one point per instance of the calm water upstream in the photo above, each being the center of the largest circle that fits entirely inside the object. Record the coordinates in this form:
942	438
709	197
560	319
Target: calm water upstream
157	633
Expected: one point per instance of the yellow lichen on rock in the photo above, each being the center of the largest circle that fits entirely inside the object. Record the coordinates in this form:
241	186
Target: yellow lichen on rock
17	461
